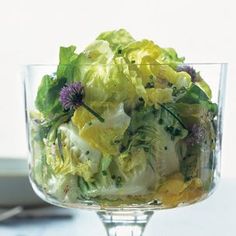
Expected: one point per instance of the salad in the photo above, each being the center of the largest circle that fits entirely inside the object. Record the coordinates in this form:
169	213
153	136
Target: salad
123	122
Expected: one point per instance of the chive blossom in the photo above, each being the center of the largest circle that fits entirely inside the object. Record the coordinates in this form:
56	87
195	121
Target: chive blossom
190	71
71	97
119	51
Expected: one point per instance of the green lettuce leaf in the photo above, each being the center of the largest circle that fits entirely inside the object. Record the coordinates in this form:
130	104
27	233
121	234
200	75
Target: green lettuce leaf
67	61
199	145
142	52
149	109
153	64
93	63
170	57
105	137
158	131
148	155
71	154
112	183
203	86
115	82
117	39
47	99
195	95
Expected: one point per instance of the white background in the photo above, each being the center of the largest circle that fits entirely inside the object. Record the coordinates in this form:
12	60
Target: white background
32	31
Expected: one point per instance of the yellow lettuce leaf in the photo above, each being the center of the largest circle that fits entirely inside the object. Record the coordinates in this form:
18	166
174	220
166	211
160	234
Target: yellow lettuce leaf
104	136
175	191
157	95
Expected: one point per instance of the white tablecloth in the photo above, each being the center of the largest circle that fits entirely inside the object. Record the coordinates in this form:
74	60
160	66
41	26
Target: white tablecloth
213	217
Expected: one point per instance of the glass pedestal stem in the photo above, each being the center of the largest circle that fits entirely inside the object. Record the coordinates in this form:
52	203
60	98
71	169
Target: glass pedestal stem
125	223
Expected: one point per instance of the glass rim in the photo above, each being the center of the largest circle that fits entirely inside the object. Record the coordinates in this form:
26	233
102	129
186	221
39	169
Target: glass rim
110	64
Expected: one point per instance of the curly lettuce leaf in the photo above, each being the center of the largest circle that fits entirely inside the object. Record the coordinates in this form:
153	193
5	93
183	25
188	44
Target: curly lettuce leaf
137	51
112	182
150	62
99	52
159	96
117	39
170	57
114	82
166	73
70	154
129	163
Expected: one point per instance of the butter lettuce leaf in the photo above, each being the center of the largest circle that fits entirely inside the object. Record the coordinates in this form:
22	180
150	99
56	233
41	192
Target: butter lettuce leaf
151	113
170	57
106	136
71	154
117	39
153	63
200	143
158	132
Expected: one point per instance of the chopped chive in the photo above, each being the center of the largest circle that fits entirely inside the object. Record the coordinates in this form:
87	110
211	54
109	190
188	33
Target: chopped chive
118	181
92	112
60	145
149	85
177	132
117	141
160	121
122	148
177	118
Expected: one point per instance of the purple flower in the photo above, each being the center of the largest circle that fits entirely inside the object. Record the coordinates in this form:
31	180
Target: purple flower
189	70
71	96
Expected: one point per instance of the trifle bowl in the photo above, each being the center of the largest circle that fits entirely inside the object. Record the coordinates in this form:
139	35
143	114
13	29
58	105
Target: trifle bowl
124	128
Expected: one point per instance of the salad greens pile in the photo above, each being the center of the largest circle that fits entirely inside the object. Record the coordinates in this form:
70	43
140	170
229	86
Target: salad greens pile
123	120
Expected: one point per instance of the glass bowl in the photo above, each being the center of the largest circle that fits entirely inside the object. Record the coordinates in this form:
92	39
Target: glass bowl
125	154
